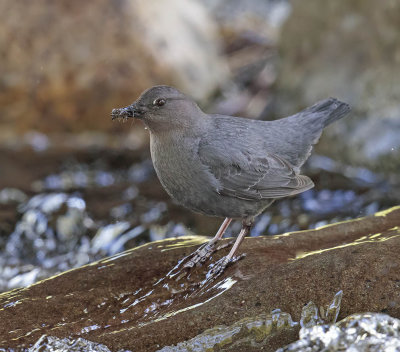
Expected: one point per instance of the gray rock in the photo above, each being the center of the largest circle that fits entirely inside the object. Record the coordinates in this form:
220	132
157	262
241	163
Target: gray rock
349	50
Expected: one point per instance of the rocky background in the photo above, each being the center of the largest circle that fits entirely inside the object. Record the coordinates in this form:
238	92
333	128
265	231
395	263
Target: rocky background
351	50
65	65
76	187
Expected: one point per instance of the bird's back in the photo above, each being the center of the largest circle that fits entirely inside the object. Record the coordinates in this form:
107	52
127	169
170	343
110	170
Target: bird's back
291	138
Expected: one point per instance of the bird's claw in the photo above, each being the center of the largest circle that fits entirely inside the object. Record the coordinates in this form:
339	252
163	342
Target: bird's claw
204	252
198	257
218	268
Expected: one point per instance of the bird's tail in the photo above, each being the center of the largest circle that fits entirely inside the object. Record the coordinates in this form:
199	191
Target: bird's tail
326	111
306	127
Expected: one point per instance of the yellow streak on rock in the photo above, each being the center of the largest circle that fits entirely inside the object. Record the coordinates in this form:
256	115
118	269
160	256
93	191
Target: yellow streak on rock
379	237
387	211
379	213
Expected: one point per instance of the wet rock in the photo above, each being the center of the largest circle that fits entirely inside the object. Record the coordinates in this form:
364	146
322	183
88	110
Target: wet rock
12	195
111	238
126	302
365	332
51	343
51	236
348	50
257	331
113	51
54	234
48	221
311	315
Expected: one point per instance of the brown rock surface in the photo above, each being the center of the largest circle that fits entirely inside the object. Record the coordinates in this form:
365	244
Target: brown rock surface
66	64
121	303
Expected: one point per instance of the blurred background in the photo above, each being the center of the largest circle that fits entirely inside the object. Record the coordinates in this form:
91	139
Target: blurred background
75	186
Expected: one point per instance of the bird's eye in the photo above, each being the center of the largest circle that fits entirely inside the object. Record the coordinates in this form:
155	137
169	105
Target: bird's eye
159	102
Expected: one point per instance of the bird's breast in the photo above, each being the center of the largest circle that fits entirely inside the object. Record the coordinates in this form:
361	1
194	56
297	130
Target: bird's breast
180	170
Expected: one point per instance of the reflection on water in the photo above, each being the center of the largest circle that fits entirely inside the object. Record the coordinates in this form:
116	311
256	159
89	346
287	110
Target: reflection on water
166	297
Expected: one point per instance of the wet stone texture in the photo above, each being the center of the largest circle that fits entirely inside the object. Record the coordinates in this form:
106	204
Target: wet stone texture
368	332
125	302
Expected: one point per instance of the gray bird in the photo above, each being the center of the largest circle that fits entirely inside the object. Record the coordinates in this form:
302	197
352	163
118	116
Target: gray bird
227	166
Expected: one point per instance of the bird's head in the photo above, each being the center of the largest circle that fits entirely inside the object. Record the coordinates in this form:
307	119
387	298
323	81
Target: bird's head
161	108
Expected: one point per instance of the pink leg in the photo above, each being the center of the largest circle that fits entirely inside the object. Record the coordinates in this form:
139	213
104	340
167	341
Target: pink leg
242	234
222	229
204	252
200	255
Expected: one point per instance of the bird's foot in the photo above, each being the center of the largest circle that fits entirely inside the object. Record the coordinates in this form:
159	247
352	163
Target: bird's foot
218	268
198	257
203	253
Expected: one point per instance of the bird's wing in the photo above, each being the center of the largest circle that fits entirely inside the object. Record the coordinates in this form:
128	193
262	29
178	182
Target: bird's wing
251	177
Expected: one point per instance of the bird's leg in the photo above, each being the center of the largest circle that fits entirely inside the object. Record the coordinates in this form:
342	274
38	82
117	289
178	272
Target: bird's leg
201	254
218	268
204	251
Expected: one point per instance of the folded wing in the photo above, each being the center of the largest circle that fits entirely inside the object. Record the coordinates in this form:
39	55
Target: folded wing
252	177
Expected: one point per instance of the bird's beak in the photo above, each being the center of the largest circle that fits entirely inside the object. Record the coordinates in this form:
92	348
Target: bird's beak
128	112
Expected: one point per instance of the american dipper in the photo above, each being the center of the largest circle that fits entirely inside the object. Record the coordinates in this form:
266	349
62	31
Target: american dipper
227	166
